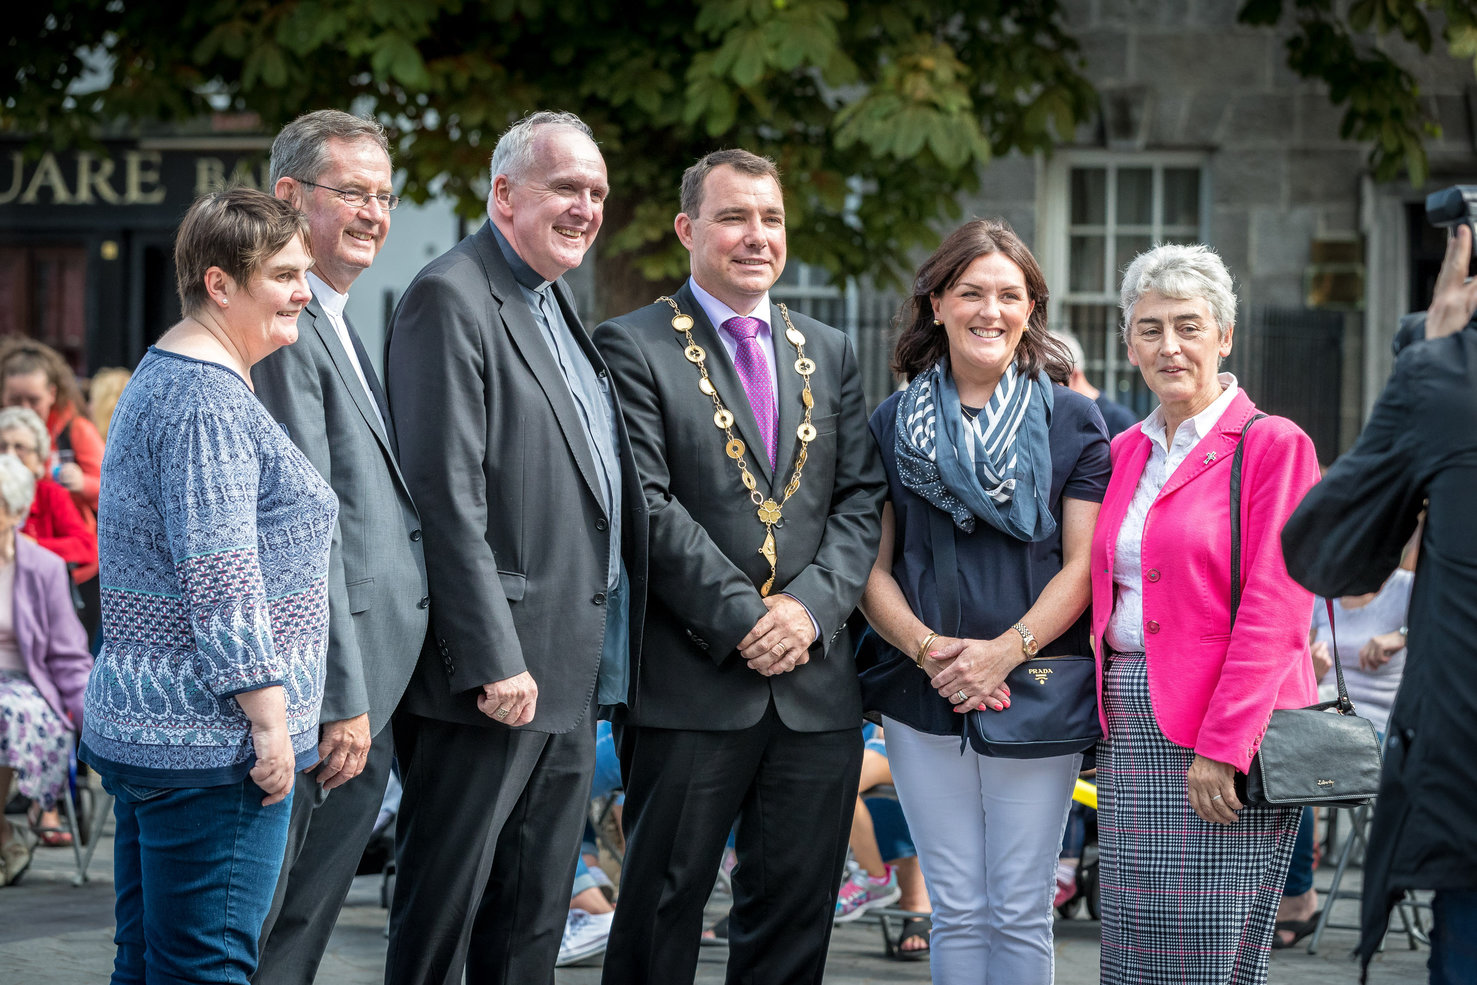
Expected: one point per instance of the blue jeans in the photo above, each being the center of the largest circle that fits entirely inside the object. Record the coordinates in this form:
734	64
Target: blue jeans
194	869
1300	872
1453	958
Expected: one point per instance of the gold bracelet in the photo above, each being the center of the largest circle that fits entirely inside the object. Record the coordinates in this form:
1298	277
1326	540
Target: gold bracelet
928	641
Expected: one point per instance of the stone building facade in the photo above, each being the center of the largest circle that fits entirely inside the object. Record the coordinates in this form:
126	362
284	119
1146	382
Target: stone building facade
1205	134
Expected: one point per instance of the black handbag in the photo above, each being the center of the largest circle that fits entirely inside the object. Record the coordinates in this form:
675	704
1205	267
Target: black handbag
1053	700
1319	756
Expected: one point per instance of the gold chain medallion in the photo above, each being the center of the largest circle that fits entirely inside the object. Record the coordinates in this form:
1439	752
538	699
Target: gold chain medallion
770	513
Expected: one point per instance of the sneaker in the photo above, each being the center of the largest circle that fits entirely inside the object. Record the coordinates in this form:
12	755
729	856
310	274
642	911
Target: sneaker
1066	883
585	936
861	893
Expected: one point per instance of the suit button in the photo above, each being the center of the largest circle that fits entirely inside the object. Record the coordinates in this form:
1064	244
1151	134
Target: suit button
425	602
1152	626
415	534
599	598
600	524
1153	574
451	668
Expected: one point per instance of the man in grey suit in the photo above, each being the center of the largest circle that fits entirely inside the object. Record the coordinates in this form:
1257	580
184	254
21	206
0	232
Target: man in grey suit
749	428
336	169
514	446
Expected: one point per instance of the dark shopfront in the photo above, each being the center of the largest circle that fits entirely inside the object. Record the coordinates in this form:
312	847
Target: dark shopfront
87	238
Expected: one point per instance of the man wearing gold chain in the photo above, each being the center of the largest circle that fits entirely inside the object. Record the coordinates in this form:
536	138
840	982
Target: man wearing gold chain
748	427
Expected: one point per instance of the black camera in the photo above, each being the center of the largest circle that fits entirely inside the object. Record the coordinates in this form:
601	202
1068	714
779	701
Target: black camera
1452	205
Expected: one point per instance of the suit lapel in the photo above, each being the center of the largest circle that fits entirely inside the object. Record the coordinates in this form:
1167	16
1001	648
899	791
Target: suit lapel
725	377
788	386
526	338
1216	447
345	367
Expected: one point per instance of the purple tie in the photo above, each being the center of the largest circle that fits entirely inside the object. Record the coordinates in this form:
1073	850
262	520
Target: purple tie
753	372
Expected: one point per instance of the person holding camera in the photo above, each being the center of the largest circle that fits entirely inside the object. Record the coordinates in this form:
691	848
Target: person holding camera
1419	446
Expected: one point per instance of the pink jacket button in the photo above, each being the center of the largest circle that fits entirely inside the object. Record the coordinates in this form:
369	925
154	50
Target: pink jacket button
1152	626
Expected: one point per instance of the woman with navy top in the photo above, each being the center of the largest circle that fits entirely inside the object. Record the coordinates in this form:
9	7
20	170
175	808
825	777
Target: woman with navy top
985	448
213	537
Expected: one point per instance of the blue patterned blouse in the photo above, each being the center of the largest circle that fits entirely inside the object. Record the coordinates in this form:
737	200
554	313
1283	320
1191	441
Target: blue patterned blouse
213	536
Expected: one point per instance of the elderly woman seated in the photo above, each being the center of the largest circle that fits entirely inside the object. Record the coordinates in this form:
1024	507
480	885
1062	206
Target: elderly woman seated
54	522
44	664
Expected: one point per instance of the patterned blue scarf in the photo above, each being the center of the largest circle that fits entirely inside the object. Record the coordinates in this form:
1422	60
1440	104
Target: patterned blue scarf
996	467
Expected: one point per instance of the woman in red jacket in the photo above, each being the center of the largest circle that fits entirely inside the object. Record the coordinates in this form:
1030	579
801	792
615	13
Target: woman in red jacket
35	376
1190	878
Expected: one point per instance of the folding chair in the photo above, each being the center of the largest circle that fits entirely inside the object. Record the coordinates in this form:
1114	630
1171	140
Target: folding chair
1357	840
86	807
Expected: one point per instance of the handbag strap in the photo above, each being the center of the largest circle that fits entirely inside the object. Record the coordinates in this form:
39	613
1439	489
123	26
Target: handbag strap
945	570
1345	706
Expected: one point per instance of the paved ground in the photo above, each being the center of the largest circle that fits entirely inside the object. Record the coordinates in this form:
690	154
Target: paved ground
53	932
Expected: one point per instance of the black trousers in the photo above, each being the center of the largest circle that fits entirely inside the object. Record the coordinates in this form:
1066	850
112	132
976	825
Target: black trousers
792	794
485	848
325	840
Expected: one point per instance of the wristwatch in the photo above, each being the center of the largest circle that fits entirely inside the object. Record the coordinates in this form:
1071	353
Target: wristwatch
1029	646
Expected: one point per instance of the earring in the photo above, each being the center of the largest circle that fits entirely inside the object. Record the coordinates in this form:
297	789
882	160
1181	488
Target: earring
937	322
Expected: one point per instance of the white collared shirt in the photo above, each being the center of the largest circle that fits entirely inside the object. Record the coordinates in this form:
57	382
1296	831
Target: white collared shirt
332	303
1125	630
718	313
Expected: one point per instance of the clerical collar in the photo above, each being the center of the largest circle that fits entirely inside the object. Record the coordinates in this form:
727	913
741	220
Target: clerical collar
331	301
522	272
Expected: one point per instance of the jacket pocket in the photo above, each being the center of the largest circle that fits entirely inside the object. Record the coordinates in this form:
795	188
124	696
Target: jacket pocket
361	595
514	584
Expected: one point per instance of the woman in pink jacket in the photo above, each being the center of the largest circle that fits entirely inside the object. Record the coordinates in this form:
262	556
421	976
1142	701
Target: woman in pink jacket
1190	877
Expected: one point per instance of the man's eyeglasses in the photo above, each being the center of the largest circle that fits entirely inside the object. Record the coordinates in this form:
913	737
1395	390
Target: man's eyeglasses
357	199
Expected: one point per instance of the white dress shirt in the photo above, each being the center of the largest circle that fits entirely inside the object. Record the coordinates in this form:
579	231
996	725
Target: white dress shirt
332	303
718	313
1125	630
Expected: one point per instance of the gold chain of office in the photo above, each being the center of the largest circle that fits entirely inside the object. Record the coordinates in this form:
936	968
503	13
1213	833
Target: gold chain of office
770	513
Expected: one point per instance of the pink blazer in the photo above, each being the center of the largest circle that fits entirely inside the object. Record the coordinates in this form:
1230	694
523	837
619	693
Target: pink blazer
1213	689
47	631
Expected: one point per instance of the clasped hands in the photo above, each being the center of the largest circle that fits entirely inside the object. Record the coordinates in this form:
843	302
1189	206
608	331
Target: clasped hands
780	641
970	674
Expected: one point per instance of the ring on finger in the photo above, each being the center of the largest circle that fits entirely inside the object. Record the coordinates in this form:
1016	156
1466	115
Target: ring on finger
502	712
1216	797
779	648
961	696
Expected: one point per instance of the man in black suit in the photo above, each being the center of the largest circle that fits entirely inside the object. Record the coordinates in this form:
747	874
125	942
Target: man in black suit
764	487
513	444
1418	450
336	169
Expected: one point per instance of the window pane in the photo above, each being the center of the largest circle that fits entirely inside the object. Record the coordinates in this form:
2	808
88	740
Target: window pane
1086	264
1181	196
1135	196
1128	247
1089	196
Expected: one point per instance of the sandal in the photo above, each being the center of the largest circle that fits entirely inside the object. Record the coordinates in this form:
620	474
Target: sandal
1298	928
716	935
54	837
46	834
913	927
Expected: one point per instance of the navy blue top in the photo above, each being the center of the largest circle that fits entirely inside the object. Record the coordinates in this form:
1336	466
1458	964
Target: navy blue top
1116	416
999	576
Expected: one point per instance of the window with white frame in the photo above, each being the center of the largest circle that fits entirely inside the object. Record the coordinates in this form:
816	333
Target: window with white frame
1101	211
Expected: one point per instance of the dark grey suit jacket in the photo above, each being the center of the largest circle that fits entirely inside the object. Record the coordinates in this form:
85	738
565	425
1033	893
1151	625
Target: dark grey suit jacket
517	540
376	568
705	536
1418	450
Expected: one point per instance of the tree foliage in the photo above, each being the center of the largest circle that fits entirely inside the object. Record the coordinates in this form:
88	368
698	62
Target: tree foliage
1382	101
879	111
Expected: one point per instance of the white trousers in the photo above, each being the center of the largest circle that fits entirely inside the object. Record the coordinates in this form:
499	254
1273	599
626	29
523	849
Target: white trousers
988	833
